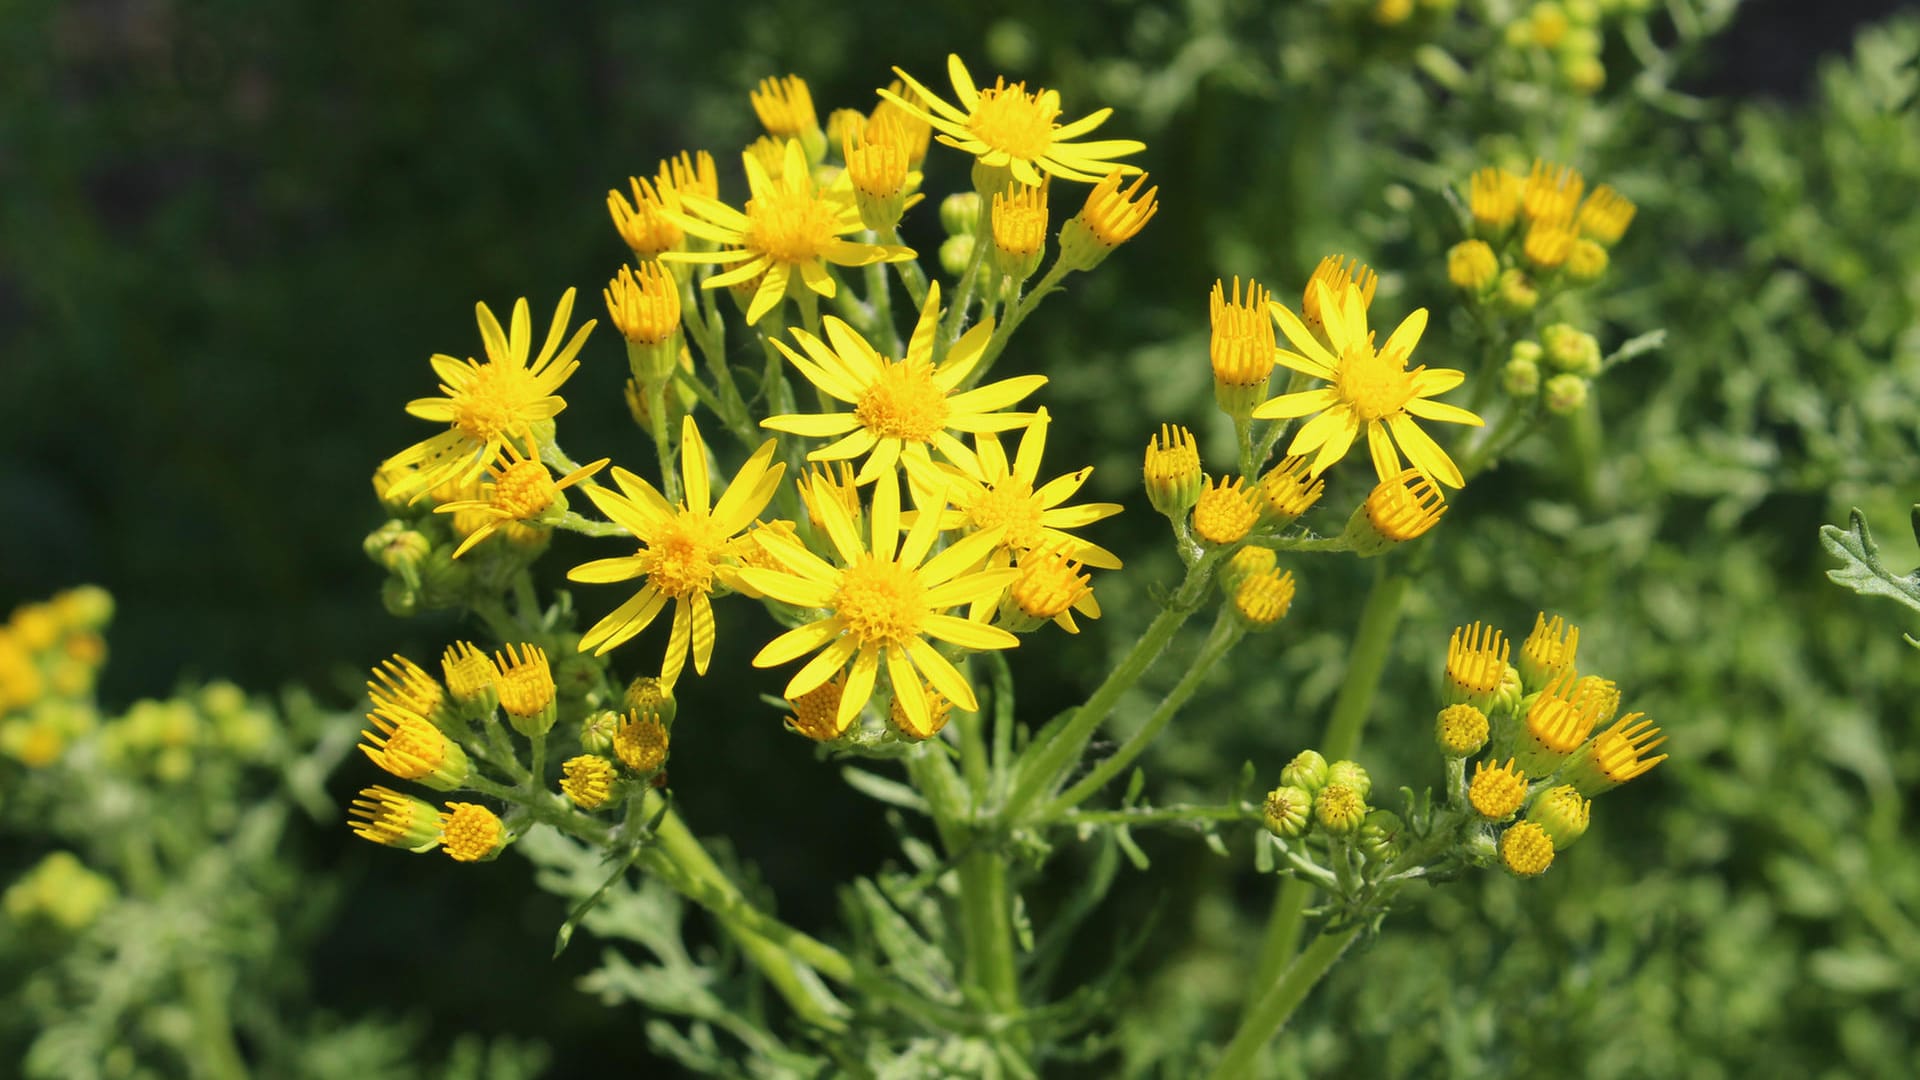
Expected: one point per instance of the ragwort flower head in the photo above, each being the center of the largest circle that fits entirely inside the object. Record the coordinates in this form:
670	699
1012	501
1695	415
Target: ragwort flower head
884	601
1008	495
521	490
686	551
1368	388
901	408
790	226
488	404
1005	127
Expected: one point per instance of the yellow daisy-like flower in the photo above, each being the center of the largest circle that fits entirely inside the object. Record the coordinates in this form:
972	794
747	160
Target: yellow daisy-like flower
901	408
487	404
1002	493
522	490
790	226
1370	388
885	600
685	550
1006	127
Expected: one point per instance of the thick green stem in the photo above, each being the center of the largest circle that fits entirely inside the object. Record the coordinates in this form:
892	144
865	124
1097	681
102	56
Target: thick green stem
1273	1008
911	274
1042	765
1372	642
1226	633
986	918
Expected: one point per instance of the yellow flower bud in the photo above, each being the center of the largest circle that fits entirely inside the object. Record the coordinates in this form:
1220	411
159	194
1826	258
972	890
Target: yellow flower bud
470	832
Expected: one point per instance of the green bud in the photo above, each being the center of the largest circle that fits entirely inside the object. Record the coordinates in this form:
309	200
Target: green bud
400	599
1461	730
1285	811
1526	349
1307	770
1351	774
443	581
1507	698
959	213
576	675
1339	809
1562	814
1572	350
1520	378
1565	394
1515	292
1379	838
652	700
596	731
955	253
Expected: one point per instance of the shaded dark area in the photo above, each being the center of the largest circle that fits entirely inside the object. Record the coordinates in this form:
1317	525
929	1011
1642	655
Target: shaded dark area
232	234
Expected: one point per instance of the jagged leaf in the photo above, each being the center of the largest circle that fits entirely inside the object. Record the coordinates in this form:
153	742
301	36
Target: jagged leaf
1863	572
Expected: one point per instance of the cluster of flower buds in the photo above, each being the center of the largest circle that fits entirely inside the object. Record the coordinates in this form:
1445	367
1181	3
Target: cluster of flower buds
1328	801
448	733
1535	234
503	516
1550	737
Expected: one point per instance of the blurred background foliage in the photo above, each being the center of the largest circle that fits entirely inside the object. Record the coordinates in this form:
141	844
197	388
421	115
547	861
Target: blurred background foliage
231	233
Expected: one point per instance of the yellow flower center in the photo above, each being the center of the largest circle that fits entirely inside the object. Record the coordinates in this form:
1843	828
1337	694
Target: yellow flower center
1497	792
495	402
641	743
1010	119
683	555
1376	385
1526	849
469	832
789	226
816	712
881	602
1010	503
904	403
524	490
588	780
1048	585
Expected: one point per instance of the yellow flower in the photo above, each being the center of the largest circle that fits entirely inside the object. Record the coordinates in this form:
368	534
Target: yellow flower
785	108
525	685
1005	127
401	683
412	749
1526	849
470	832
1225	512
1497	793
389	817
641	742
901	408
1003	494
1369	388
487	404
790	226
1553	647
1109	218
522	490
1605	215
685	550
1334	273
1050	586
816	713
885	600
1476	664
587	780
1617	755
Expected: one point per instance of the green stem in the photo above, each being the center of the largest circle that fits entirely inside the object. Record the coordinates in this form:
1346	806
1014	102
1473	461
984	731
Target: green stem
1024	306
881	329
969	282
1042	765
911	274
986	920
1226	633
1273	1008
1179	814
662	447
1372	641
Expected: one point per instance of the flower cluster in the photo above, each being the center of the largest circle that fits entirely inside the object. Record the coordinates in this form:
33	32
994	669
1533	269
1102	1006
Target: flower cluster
50	654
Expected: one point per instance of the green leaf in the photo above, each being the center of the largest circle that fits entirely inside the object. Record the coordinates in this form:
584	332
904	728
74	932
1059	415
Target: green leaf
1862	571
